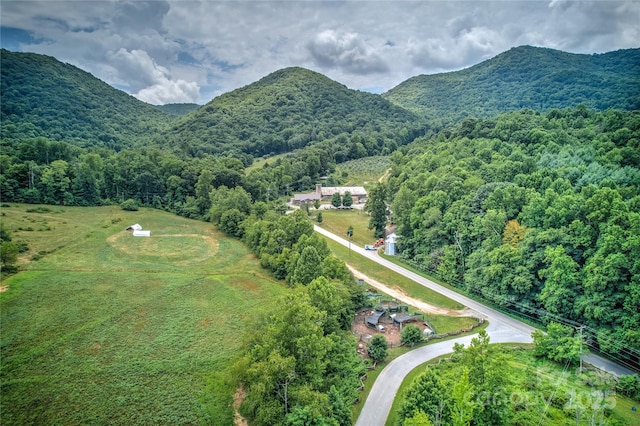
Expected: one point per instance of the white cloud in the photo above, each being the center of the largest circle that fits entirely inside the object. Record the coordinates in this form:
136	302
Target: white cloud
149	81
168	91
469	46
173	48
347	51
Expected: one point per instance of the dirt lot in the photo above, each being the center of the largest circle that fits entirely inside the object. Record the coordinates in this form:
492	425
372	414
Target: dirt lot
391	332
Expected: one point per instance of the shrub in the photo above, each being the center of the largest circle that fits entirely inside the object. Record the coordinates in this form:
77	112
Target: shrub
377	348
629	385
129	205
411	335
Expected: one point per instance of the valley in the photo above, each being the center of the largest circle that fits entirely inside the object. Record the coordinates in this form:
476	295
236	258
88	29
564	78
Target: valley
512	185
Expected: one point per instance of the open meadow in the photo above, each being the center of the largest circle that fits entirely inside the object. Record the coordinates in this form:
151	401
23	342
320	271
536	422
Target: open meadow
101	327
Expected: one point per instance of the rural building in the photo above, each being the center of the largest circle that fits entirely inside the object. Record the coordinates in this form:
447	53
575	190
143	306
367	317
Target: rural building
136	227
305	198
358	194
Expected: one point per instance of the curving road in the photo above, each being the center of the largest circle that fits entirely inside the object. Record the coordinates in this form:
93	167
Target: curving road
501	329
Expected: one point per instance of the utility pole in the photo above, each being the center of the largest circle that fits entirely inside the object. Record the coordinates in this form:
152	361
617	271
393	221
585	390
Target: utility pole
580	336
350	234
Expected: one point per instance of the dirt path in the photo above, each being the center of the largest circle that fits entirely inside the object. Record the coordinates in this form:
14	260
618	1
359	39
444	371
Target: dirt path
238	397
385	175
404	297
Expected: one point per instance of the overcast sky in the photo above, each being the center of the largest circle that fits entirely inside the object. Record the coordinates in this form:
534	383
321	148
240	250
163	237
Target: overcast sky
191	51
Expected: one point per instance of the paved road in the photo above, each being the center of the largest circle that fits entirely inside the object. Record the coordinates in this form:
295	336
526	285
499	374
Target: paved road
501	329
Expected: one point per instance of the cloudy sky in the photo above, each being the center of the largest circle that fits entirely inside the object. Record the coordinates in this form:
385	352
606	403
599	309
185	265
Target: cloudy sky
191	51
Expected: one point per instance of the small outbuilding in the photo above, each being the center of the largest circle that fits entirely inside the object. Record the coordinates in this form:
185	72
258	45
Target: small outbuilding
390	244
401	320
138	231
372	320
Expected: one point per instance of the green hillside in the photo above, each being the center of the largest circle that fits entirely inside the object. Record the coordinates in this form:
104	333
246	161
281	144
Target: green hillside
178	109
43	97
525	77
538	213
286	110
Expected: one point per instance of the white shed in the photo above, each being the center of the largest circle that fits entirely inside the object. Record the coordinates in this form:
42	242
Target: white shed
390	244
141	233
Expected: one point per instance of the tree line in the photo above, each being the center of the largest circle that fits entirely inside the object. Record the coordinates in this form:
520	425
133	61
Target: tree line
299	365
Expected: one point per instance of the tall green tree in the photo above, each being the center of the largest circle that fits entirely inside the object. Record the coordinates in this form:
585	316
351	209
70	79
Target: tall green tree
203	191
558	344
308	267
462	401
336	200
55	183
561	282
376	205
347	201
401	206
427	394
333	298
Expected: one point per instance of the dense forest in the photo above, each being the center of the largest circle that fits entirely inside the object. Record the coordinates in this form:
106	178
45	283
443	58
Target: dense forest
539	213
535	210
43	97
178	109
525	77
287	110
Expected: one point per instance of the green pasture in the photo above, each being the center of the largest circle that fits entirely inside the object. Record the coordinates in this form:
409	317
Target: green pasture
107	328
338	221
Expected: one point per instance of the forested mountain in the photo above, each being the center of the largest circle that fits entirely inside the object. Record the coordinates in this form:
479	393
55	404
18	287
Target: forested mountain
43	97
525	77
290	109
539	213
178	109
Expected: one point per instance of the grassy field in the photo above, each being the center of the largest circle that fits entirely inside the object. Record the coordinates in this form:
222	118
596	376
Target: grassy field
392	279
338	221
258	163
105	328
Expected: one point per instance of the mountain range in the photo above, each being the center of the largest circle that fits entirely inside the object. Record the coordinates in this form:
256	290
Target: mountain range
294	107
525	77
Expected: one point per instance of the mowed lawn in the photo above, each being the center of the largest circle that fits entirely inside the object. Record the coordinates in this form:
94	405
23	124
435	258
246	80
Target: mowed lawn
107	328
338	222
